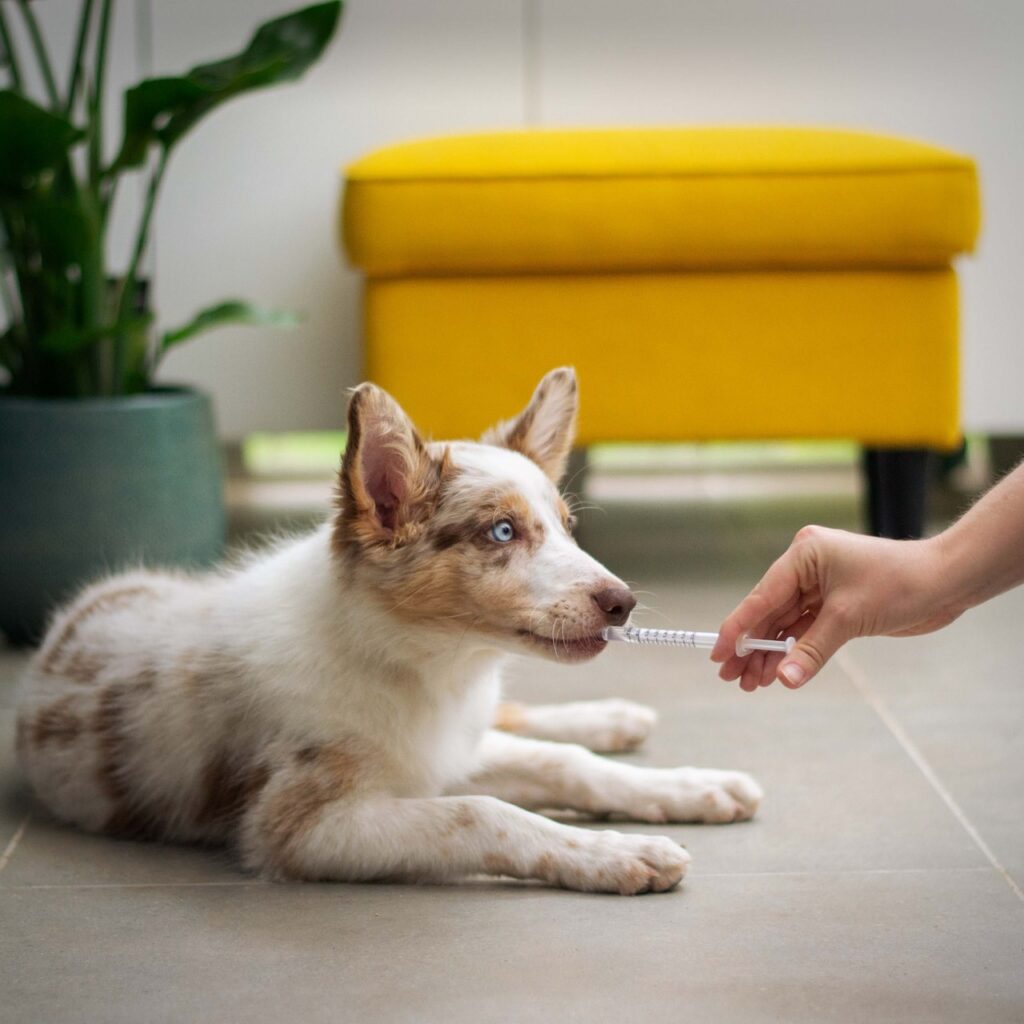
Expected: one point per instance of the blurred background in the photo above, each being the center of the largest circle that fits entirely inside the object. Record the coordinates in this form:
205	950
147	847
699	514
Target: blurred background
250	206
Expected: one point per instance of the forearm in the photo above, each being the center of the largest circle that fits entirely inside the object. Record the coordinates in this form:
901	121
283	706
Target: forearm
982	554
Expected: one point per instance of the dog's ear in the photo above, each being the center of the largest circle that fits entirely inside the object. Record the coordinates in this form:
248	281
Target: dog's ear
545	429
387	478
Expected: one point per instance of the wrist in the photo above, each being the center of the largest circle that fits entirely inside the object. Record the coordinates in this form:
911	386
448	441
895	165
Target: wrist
957	572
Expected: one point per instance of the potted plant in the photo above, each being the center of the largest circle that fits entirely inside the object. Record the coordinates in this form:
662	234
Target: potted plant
98	466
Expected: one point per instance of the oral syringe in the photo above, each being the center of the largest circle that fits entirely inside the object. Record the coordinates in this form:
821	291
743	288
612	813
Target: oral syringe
686	638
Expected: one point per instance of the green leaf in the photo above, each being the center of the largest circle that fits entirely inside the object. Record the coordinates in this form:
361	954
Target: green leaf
32	140
234	311
68	339
162	110
63	230
148	107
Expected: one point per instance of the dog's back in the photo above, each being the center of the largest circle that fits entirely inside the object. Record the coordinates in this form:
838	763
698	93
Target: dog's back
118	714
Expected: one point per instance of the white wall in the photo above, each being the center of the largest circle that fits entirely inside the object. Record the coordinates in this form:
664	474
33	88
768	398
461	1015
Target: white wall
250	203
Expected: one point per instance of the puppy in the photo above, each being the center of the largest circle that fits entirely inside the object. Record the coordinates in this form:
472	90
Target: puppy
328	706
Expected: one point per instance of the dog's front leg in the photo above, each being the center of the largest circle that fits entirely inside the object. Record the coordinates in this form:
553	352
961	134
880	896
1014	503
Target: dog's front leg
559	776
605	726
446	838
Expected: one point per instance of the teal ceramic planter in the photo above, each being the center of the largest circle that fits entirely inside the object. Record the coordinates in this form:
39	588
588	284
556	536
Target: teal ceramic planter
90	486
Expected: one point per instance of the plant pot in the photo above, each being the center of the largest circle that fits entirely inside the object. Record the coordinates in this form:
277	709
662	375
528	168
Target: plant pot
91	486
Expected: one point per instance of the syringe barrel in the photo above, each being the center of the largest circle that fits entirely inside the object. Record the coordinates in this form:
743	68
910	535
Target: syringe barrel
660	637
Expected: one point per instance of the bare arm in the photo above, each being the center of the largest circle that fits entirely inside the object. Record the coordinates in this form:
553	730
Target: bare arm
831	586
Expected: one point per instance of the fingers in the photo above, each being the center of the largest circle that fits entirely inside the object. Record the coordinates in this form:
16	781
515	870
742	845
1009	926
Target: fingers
826	634
778	590
784	625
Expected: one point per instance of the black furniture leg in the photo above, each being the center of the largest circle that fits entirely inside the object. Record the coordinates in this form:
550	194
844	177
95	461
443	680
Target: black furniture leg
897	491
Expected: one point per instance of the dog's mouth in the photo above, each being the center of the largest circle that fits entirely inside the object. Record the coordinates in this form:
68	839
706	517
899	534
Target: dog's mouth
566	648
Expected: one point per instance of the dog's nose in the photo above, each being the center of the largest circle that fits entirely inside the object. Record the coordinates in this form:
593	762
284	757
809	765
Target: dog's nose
616	603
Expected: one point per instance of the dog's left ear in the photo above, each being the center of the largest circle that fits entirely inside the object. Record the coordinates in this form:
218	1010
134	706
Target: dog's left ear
387	477
545	429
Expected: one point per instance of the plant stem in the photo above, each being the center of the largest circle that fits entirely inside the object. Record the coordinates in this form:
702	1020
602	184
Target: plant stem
75	75
12	57
96	98
130	277
39	46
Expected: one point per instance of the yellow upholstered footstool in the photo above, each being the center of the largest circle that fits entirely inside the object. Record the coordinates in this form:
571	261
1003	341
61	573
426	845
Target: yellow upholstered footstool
707	283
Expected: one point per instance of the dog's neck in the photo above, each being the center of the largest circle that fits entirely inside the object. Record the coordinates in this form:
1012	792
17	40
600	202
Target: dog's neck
320	599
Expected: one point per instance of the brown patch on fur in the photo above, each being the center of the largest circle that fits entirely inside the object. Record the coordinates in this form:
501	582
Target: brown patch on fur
461	817
498	864
544	868
229	789
464	817
572	844
319	776
515	507
447	535
114	744
474	528
54	653
83	666
57	723
510	717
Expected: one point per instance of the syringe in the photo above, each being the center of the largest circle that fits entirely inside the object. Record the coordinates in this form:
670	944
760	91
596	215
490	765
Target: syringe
686	638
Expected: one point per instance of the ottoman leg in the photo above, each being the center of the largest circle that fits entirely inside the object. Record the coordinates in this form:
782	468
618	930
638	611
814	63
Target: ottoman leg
897	490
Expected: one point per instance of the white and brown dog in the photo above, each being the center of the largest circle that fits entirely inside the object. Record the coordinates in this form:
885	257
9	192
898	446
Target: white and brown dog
328	706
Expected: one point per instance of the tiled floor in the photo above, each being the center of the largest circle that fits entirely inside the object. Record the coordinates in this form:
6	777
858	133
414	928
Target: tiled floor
880	882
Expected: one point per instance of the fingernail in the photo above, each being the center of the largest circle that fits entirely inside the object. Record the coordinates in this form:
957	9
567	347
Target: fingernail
794	673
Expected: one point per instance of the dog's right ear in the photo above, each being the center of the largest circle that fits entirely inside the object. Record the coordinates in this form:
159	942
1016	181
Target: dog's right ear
387	478
545	429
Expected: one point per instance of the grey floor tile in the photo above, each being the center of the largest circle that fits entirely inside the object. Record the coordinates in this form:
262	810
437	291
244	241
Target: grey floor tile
918	947
50	853
957	695
976	659
841	792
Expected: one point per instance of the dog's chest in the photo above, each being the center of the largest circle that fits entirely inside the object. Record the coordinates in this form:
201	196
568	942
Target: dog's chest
441	743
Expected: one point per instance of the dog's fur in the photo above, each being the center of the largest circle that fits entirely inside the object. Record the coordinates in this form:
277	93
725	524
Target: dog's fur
328	706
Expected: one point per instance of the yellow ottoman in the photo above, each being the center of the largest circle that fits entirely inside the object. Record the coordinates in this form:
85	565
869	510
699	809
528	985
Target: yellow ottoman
707	283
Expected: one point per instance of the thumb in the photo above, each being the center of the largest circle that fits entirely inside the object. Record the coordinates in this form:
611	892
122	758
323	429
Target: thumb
823	638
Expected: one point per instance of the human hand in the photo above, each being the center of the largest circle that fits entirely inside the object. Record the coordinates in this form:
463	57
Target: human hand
829	587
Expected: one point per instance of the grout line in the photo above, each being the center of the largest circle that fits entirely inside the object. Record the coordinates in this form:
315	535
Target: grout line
849	872
13	844
909	748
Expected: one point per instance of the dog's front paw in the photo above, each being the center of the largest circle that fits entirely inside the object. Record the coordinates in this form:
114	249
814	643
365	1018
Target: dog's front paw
617	726
695	795
613	862
607	726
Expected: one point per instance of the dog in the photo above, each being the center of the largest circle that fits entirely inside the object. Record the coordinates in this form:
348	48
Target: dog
328	707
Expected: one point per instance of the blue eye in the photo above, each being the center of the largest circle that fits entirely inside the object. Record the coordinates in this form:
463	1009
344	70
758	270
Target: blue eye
502	531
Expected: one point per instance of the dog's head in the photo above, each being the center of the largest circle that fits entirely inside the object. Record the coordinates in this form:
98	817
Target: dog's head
474	538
